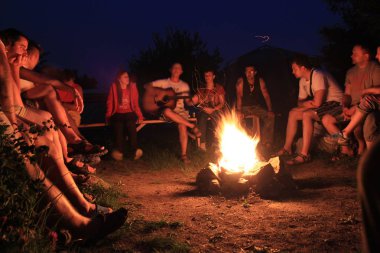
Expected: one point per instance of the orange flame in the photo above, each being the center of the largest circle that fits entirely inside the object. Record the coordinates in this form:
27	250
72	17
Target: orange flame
237	148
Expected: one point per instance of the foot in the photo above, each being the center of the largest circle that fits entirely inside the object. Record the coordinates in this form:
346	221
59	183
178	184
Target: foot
299	159
117	155
102	225
283	152
185	159
76	166
138	154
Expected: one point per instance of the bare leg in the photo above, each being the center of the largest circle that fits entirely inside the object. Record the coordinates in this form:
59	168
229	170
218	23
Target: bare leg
183	138
295	115
358	133
329	122
356	119
177	118
307	124
49	96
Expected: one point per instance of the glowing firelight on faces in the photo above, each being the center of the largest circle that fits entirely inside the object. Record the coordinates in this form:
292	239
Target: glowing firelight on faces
237	148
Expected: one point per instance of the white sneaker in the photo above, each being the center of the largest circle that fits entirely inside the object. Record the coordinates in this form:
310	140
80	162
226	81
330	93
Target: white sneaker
138	154
118	156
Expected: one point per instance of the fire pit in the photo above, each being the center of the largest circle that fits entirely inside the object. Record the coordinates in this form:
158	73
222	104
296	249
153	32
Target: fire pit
239	168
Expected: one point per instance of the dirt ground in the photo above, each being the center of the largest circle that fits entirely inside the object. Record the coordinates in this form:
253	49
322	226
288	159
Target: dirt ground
322	216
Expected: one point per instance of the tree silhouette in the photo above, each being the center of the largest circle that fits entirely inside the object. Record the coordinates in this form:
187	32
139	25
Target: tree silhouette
362	25
175	46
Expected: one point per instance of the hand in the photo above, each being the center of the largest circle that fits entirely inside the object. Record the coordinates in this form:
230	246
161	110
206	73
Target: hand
2	47
139	121
18	61
271	114
208	110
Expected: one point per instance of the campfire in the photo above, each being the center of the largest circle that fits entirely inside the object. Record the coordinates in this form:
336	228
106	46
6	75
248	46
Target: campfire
239	166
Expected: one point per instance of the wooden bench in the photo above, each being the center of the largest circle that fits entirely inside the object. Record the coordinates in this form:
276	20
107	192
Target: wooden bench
142	124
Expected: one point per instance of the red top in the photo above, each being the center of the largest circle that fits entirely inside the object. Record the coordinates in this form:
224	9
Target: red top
125	105
67	97
113	101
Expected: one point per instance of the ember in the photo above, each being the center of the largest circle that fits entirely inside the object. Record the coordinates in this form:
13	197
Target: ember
239	166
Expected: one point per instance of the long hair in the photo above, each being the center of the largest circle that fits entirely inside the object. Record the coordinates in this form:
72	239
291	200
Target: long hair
118	85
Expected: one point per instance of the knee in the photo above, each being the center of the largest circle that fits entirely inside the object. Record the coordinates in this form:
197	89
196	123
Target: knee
50	92
327	120
370	127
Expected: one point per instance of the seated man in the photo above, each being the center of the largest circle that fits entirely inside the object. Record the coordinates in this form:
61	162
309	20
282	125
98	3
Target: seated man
250	91
361	80
210	101
179	114
318	94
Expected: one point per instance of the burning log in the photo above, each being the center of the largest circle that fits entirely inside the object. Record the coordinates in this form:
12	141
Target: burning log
239	167
270	180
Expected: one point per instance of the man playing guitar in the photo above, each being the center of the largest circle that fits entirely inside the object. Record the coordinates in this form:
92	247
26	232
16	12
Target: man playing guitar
179	114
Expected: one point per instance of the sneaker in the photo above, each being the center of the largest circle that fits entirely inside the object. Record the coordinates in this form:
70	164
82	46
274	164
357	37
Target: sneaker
117	155
337	138
138	154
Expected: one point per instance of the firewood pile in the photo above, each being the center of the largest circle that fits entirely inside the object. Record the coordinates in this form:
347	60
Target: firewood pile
270	180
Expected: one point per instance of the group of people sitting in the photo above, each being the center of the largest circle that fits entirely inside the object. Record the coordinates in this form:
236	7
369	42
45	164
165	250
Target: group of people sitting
321	100
56	130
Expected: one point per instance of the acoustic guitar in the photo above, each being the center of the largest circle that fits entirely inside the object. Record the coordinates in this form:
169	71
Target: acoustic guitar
155	99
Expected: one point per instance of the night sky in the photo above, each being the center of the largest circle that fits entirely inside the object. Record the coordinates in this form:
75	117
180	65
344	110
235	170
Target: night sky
97	37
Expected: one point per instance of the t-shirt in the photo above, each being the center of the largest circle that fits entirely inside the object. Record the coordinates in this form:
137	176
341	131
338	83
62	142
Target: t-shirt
181	88
125	105
67	97
360	79
321	80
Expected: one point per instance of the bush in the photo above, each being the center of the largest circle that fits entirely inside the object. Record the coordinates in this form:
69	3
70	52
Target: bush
22	224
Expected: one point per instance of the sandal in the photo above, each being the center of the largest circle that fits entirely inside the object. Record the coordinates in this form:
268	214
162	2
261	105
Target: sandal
185	159
299	159
80	170
85	148
283	152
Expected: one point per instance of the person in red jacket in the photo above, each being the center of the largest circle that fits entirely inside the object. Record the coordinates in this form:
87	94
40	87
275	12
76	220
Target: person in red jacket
123	111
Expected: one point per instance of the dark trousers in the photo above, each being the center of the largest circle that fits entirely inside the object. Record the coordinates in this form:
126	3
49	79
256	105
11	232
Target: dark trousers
202	122
369	195
123	125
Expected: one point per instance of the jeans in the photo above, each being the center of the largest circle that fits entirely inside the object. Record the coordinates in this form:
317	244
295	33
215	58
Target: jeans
123	125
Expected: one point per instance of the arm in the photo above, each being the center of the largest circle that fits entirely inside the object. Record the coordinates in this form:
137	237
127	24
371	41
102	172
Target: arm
43	79
239	94
135	94
6	86
373	91
266	96
315	102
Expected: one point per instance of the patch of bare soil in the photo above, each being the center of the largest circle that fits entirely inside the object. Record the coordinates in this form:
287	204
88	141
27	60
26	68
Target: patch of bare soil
322	216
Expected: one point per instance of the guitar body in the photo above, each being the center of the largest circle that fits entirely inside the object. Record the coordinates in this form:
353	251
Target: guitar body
156	98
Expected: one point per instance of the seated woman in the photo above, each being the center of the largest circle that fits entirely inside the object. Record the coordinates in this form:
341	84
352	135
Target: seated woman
211	101
123	112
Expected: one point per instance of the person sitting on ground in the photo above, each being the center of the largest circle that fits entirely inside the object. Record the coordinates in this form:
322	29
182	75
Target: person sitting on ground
210	101
251	90
179	114
16	42
123	112
318	94
360	81
74	218
41	87
68	99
